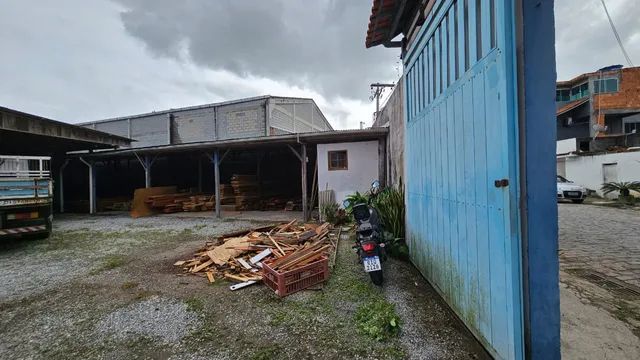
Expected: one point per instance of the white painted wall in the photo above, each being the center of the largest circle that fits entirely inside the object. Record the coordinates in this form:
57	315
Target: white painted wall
362	160
566	146
588	170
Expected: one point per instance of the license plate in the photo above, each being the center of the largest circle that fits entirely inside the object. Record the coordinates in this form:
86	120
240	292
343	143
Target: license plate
371	263
573	193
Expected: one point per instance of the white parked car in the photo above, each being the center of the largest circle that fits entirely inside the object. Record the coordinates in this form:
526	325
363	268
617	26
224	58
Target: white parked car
567	190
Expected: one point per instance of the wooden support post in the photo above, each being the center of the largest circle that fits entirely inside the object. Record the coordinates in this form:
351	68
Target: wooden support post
216	175
92	186
303	164
61	184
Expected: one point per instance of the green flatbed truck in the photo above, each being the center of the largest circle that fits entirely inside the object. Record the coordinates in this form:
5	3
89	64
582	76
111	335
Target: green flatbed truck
26	196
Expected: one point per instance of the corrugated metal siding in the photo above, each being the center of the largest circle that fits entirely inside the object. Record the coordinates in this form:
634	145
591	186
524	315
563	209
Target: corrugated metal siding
282	118
463	231
193	126
319	120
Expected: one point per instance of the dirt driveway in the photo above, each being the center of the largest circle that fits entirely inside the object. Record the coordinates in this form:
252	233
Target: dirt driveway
104	287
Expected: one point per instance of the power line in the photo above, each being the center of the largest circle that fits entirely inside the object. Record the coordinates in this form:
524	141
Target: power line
615	32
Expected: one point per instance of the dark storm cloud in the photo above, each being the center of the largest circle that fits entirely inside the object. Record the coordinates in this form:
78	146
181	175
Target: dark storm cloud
313	44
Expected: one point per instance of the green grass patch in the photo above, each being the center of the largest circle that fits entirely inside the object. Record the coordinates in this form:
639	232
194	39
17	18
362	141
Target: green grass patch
129	285
194	304
378	320
267	353
110	262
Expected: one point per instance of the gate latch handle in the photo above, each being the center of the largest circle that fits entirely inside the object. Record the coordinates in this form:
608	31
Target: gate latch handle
501	183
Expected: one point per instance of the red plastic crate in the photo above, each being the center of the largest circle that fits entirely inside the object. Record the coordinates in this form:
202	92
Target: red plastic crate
288	282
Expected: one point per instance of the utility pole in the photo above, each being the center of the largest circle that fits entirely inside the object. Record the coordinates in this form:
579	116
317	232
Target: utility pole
377	89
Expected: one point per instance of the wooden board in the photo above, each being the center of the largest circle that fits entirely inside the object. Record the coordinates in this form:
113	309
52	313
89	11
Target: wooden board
139	208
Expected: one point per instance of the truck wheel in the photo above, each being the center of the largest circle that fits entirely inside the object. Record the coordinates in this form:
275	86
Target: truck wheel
376	277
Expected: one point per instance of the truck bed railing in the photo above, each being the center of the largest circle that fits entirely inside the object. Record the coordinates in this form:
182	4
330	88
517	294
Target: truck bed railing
25	167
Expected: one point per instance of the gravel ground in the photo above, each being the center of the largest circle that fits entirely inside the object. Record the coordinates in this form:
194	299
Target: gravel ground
430	330
76	245
104	287
168	320
117	221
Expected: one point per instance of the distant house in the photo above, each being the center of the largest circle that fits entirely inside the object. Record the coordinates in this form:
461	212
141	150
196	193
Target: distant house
600	109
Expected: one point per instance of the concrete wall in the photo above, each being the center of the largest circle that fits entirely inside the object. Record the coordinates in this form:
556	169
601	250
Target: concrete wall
588	170
230	120
362	159
392	116
242	120
566	146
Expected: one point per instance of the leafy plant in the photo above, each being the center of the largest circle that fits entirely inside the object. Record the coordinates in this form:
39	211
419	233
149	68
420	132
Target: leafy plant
390	206
333	214
623	188
355	199
378	319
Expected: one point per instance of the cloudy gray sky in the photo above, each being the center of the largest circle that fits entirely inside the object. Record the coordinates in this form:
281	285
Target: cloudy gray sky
79	60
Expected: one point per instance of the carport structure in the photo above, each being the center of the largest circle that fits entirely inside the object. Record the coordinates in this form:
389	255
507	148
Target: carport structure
27	134
283	163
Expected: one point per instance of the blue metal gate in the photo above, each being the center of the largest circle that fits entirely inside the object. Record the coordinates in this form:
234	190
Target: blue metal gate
462	179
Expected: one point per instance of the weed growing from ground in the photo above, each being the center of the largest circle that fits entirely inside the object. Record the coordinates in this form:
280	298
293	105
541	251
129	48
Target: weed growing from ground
110	262
378	320
267	353
194	304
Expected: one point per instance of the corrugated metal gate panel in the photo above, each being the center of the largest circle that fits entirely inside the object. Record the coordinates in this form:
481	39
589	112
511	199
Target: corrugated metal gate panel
463	230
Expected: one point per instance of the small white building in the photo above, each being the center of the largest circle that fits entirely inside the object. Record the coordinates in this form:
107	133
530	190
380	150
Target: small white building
593	170
348	167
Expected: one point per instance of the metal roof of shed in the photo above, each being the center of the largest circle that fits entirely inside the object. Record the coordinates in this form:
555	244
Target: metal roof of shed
324	137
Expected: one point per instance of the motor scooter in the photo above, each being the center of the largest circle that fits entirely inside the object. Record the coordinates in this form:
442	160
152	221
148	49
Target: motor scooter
369	244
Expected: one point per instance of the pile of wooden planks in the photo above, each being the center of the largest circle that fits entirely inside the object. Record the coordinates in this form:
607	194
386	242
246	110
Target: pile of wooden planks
247	192
238	257
171	203
227	196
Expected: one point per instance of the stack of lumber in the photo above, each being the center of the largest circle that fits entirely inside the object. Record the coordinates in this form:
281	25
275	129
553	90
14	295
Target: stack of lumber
199	203
247	192
139	206
227	196
293	205
171	203
238	257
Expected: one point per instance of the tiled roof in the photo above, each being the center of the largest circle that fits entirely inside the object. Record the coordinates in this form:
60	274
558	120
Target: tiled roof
380	22
570	106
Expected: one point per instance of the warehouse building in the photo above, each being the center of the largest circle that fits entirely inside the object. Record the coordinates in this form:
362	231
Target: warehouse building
244	118
265	148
